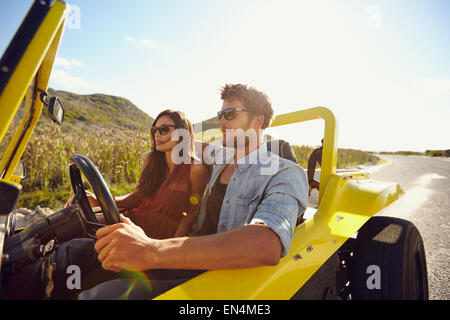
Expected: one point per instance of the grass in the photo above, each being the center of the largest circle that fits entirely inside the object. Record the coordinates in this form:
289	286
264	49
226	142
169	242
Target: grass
438	153
117	155
429	153
404	153
346	158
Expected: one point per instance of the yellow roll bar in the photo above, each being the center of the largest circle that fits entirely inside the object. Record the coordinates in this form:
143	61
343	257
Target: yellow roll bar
36	63
329	152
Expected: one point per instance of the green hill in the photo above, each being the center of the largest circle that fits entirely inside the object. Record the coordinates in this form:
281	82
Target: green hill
206	125
95	111
109	130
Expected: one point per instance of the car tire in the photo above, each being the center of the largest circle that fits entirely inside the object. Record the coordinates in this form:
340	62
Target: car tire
388	262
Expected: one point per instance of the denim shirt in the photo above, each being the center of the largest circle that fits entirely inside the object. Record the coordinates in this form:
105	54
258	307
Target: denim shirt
264	188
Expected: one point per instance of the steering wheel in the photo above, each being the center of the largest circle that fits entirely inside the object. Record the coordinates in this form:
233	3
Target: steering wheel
105	199
38	239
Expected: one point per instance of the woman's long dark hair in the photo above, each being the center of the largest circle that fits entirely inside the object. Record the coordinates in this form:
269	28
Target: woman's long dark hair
155	167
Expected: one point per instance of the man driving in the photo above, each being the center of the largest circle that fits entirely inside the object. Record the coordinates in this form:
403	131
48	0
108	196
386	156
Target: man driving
248	214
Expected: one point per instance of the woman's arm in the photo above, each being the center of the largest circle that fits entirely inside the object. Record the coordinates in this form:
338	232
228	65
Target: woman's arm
129	201
199	178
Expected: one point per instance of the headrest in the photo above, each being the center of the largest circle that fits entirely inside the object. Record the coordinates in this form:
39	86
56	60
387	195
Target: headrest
284	149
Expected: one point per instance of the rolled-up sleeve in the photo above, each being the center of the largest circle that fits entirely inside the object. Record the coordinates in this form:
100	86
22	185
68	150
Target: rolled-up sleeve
285	198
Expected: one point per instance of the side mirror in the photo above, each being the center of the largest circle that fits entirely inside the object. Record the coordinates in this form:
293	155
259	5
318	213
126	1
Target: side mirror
56	110
20	170
9	194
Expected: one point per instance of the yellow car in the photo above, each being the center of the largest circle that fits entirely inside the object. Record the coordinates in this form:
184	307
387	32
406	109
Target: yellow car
343	251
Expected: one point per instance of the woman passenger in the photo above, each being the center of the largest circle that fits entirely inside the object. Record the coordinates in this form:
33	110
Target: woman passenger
166	200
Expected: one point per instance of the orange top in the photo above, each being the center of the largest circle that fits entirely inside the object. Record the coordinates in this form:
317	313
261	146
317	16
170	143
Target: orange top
159	217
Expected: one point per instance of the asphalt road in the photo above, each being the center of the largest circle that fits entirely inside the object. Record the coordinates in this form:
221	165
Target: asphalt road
426	203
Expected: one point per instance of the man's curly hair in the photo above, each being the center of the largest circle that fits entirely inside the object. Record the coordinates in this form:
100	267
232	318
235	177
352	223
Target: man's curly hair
256	102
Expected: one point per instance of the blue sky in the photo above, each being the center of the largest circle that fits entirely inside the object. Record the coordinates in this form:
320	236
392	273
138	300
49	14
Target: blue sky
382	67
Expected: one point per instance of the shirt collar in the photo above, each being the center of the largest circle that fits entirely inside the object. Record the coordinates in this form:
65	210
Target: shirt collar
258	156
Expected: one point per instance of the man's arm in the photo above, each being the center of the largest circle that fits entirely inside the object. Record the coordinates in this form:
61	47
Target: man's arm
245	247
125	246
313	158
285	199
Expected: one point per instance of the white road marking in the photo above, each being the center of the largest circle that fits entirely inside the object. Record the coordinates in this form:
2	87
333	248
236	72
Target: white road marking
415	196
373	168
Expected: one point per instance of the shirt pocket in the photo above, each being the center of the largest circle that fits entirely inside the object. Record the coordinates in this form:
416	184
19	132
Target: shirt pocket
177	195
179	187
245	209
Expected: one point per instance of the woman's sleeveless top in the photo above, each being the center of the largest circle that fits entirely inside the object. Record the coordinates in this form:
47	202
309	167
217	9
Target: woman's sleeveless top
160	216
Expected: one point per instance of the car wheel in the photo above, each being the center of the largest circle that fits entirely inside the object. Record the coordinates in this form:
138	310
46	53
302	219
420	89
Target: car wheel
389	261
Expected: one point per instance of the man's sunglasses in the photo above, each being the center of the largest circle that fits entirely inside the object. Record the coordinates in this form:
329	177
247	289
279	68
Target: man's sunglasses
229	113
162	129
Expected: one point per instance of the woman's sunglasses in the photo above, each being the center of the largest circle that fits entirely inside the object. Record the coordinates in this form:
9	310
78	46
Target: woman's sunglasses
229	113
162	129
